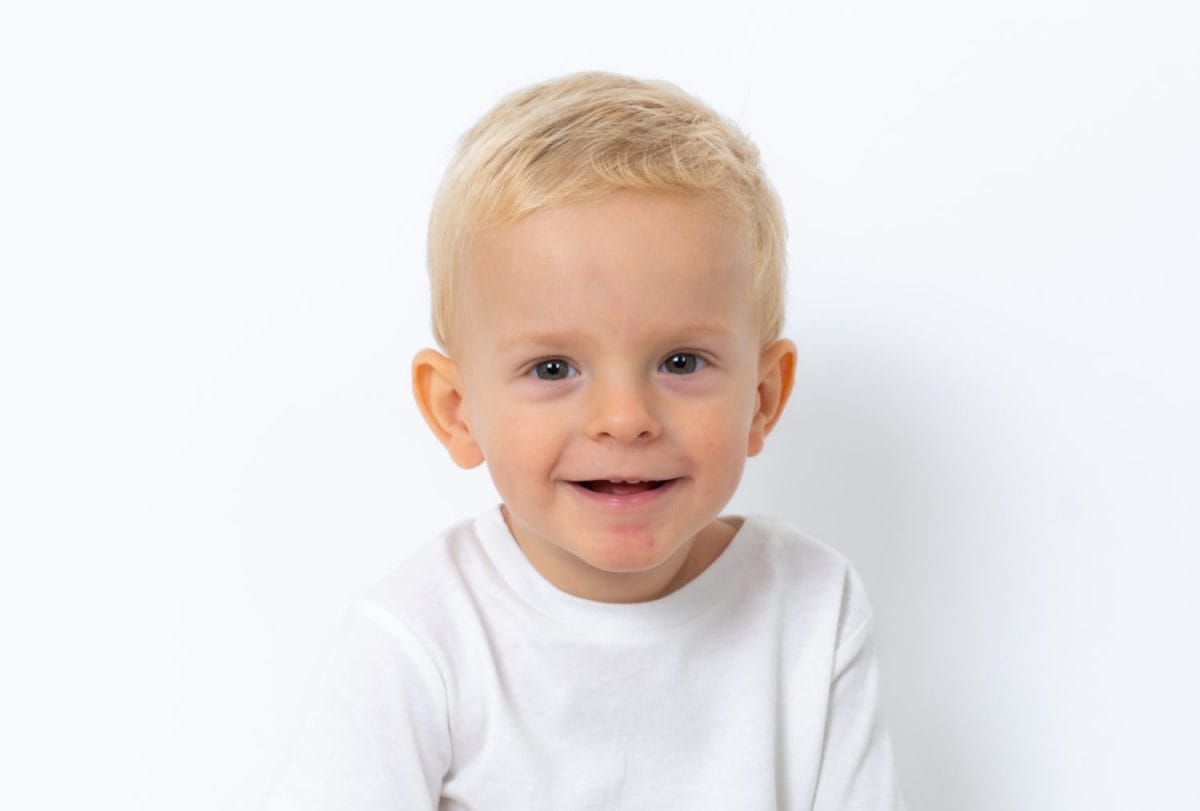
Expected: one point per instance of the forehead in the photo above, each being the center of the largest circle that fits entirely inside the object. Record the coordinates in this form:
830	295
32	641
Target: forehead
625	265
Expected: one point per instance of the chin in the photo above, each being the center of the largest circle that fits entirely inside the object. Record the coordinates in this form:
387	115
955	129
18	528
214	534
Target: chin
628	554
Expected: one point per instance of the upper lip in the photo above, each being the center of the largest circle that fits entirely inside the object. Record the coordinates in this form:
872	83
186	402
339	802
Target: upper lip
626	479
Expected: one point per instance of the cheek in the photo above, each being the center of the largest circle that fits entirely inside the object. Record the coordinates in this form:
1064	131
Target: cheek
727	436
513	436
723	426
721	456
717	445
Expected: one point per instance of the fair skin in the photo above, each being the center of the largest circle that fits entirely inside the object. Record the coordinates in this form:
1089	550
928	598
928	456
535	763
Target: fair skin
607	364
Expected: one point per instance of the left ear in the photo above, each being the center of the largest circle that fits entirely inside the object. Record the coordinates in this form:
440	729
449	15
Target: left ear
776	371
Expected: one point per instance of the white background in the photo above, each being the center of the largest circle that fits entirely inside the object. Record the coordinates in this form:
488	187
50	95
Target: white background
212	225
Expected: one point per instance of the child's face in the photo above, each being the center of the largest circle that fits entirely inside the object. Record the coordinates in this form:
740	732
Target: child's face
610	370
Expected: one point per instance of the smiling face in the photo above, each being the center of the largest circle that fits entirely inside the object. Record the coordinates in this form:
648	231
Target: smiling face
609	369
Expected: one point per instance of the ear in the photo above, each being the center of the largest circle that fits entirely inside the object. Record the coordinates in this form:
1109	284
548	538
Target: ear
437	387
776	371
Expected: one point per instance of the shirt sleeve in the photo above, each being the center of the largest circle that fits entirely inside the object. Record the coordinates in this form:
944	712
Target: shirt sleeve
378	736
857	768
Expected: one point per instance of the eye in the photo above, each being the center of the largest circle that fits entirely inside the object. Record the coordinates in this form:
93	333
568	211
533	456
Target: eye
553	369
683	363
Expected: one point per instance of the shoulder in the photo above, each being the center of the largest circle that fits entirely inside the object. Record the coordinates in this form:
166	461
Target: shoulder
434	594
802	559
438	575
797	551
812	578
433	572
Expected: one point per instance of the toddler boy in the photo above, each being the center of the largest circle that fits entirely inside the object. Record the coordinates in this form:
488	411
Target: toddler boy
607	264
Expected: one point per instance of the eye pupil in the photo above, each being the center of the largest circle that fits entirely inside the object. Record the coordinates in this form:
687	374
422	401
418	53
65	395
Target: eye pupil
551	370
683	362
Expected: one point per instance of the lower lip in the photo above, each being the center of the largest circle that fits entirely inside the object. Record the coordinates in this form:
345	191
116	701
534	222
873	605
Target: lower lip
629	500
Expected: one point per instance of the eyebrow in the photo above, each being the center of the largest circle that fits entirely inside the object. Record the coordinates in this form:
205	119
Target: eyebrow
557	339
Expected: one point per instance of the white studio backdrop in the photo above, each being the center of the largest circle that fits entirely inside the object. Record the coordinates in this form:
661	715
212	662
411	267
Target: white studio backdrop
213	282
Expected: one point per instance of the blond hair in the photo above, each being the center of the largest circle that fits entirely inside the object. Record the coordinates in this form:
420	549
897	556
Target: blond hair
580	137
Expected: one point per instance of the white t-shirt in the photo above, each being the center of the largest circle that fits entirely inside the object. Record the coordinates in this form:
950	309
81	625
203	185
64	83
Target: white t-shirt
465	680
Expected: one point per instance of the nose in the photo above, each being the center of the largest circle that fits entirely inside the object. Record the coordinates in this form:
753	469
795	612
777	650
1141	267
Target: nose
622	410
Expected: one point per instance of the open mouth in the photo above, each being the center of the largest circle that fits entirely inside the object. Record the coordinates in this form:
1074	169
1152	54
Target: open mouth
621	488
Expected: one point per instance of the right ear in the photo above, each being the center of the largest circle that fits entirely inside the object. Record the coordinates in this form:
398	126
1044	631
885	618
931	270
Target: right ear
437	387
